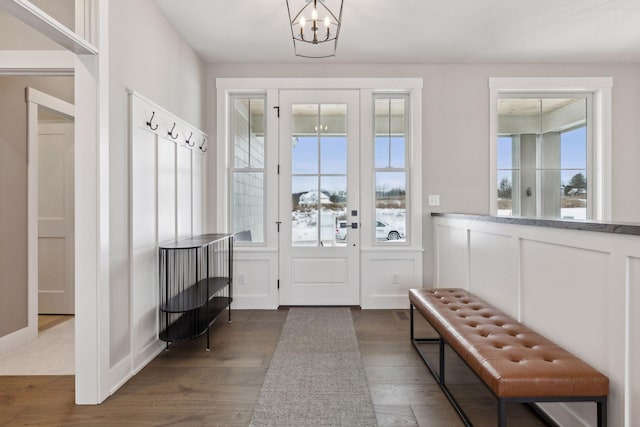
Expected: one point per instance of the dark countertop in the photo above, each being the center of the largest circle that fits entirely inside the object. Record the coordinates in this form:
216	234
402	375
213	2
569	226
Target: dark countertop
193	242
584	225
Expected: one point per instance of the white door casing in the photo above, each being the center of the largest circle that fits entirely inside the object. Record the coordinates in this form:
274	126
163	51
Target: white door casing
38	101
319	268
56	290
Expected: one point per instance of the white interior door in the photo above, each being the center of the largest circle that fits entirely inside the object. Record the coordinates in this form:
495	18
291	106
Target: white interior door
56	291
319	198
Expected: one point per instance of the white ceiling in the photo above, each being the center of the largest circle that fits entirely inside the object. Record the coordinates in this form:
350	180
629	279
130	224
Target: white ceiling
419	31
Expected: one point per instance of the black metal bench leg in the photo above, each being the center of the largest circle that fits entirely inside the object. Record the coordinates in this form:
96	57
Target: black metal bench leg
602	413
411	319
441	361
502	413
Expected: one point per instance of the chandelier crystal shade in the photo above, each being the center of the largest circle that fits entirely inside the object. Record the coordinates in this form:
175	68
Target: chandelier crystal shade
315	26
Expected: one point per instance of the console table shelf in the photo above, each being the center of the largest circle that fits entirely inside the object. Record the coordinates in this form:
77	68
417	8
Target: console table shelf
196	285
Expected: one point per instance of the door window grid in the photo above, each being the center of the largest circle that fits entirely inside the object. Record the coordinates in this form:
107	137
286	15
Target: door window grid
391	140
318	179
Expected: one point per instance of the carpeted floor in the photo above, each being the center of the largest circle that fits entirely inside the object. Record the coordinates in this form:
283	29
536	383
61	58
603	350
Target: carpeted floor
316	376
52	353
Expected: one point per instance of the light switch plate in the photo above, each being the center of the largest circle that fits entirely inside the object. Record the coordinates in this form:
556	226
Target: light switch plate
434	200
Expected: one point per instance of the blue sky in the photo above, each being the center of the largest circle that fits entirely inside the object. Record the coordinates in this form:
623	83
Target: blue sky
333	160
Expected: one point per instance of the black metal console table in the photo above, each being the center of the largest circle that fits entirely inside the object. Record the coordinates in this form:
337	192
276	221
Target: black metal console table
196	285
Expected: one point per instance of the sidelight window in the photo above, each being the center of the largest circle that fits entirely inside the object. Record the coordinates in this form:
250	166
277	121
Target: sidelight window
391	172
247	136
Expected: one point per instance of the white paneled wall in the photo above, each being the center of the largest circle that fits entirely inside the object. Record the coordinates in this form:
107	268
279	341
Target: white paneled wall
581	289
167	191
387	275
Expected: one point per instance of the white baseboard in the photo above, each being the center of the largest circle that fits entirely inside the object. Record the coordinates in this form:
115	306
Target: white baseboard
250	302
127	368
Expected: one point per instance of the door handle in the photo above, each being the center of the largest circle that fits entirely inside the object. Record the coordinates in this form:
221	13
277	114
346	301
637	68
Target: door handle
354	225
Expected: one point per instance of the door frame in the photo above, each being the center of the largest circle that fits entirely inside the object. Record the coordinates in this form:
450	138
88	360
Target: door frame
263	291
35	100
351	248
90	68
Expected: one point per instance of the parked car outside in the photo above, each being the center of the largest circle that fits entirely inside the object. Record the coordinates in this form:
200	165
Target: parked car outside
383	231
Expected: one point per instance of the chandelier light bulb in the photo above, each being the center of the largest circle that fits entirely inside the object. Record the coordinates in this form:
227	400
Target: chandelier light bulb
314	14
302	23
327	22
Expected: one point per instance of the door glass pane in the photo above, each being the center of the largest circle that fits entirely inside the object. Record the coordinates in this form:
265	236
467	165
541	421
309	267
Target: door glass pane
304	218
334	212
391	210
304	155
333	154
319	174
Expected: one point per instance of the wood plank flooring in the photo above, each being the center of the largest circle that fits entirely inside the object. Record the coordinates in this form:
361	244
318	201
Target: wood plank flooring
191	387
47	321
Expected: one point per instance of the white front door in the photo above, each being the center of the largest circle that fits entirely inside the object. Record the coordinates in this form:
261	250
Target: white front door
319	198
56	290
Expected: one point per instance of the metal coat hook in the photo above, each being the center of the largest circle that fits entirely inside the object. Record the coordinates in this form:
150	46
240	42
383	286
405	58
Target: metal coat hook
202	145
151	120
188	141
171	132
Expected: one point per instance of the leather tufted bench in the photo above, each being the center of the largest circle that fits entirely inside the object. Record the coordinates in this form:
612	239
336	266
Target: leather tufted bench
514	362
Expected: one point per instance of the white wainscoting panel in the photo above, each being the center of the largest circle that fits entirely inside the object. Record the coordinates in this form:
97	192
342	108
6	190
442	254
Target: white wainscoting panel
555	301
166	190
199	198
452	257
580	289
387	276
167	187
493	266
255	279
183	193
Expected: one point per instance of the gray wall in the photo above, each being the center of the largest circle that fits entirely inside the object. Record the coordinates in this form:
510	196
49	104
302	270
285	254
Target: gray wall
456	126
17	35
13	192
147	55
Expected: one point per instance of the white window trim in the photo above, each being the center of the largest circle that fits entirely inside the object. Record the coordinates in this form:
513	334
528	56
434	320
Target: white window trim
367	86
600	88
407	170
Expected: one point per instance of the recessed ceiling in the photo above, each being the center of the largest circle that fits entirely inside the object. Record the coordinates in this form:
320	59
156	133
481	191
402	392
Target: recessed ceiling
419	31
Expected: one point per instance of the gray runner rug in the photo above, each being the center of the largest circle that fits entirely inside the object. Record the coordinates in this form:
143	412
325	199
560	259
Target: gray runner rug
316	376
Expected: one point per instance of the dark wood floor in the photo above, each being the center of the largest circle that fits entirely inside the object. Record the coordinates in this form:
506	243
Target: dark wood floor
189	386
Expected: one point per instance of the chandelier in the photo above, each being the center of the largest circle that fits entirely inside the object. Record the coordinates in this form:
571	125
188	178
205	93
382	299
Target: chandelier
315	25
